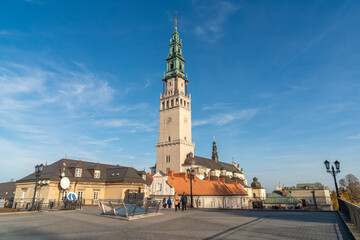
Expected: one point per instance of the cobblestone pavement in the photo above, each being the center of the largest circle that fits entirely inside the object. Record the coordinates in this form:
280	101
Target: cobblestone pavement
194	224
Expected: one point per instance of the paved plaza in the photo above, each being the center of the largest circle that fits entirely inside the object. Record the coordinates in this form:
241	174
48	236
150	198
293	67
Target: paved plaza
191	224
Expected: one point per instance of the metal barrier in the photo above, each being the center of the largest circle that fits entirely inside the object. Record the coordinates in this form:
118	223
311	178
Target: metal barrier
351	211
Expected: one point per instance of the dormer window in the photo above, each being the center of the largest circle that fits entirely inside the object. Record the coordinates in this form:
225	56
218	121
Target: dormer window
97	174
78	172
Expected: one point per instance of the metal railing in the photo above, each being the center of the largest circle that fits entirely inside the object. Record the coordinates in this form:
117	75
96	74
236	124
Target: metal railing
39	204
351	211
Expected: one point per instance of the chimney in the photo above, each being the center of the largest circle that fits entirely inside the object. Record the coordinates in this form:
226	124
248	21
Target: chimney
222	180
207	178
171	173
283	192
234	182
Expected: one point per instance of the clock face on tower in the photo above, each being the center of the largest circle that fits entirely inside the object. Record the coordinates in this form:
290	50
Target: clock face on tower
169	120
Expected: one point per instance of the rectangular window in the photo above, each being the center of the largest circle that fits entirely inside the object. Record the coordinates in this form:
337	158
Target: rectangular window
97	174
96	195
130	195
24	194
159	187
78	172
80	195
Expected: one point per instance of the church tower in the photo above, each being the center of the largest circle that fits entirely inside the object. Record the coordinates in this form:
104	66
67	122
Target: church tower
175	112
214	155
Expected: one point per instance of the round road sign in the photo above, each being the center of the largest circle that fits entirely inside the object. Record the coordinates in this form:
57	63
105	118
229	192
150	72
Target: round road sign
71	196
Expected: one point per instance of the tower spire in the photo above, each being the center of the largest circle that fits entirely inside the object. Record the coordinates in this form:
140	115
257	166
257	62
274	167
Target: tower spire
214	156
175	65
175	21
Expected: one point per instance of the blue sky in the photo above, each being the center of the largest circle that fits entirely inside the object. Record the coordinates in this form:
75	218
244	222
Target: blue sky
276	82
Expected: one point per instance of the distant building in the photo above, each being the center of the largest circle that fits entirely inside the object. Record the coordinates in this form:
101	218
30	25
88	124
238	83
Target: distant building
207	193
312	196
281	200
7	193
90	181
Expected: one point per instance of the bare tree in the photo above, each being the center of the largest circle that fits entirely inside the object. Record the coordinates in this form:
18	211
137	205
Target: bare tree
352	186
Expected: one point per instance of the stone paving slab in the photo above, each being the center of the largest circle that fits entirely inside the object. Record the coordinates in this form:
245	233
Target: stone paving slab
194	224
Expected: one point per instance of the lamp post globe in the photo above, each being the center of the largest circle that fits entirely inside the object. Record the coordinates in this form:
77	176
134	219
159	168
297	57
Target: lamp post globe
41	168
337	165
327	164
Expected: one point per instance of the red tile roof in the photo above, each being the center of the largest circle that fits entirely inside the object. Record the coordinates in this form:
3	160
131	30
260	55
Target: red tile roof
150	176
181	183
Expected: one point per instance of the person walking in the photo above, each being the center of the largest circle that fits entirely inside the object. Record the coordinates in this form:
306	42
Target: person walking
176	202
164	202
183	202
169	202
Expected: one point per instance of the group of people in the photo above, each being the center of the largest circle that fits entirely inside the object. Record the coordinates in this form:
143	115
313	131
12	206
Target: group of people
177	202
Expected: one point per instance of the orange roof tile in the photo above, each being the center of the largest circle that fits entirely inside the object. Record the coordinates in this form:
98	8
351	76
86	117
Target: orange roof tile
181	183
150	176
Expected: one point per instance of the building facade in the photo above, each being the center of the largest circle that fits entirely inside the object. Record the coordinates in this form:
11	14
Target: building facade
207	193
90	181
312	196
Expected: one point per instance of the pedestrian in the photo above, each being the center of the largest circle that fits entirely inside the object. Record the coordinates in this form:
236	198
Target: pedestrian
164	202
176	202
183	202
169	202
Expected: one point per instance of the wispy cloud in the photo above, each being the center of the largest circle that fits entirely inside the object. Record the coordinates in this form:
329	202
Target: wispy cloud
102	142
5	32
133	126
224	118
356	137
213	106
291	90
214	15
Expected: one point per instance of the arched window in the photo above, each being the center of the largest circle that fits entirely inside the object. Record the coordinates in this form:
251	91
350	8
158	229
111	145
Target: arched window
169	139
167	104
184	103
187	105
180	66
180	101
172	103
162	105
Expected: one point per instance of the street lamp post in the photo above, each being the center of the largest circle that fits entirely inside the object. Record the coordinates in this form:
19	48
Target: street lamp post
38	170
191	175
333	172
